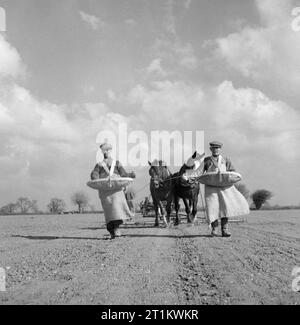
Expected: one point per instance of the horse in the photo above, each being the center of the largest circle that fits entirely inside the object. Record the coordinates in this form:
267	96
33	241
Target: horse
161	188
187	190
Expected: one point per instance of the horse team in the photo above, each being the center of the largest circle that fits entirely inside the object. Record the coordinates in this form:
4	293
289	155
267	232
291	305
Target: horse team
168	187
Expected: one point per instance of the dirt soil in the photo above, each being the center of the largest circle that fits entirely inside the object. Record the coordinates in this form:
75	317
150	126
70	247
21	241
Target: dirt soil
69	259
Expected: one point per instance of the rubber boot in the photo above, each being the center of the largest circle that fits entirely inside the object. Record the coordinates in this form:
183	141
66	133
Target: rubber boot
225	229
214	226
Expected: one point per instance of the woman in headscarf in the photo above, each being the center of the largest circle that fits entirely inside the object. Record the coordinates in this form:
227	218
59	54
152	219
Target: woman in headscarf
114	203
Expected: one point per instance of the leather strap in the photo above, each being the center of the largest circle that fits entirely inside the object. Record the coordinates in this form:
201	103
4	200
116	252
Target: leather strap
112	167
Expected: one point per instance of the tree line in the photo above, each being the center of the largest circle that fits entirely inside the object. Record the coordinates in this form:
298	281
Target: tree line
23	205
26	206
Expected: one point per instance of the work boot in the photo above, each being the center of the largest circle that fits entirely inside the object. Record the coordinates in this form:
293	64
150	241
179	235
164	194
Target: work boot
118	233
214	227
225	230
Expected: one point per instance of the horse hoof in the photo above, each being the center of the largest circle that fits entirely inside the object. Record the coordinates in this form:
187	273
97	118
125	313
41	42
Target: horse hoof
167	224
156	225
165	220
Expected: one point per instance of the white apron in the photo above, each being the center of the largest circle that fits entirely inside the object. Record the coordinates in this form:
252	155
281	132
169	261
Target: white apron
114	203
223	202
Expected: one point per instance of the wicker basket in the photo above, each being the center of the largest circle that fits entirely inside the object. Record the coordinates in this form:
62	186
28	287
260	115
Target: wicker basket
110	183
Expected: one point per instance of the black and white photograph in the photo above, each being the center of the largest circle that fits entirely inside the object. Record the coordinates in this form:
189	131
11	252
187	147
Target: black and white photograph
149	155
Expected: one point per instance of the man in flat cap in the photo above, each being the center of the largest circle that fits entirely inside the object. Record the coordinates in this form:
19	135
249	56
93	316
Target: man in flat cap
114	203
216	162
222	202
100	170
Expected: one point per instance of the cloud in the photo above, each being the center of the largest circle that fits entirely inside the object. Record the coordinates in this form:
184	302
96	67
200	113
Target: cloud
42	143
258	123
94	22
166	102
187	4
186	55
175	54
246	117
36	142
32	127
169	22
10	60
111	95
95	110
269	53
246	51
156	69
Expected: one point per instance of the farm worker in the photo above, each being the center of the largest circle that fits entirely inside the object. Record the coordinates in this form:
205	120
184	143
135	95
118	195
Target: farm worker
222	202
114	203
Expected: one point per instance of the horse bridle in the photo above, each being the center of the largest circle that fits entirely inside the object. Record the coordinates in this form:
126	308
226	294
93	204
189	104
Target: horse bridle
161	181
190	182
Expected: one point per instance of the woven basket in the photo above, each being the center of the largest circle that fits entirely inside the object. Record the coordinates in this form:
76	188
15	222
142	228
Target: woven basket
110	184
224	179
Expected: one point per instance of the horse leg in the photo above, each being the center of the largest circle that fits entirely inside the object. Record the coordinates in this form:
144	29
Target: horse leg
194	212
187	210
169	208
177	206
156	224
166	222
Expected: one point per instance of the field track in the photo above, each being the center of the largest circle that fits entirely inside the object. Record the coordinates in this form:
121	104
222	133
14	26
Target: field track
70	260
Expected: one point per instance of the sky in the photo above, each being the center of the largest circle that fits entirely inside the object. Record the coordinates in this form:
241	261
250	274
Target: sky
70	69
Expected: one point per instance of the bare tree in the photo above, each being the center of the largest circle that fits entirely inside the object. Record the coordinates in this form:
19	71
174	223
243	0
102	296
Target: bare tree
260	197
33	206
81	200
26	205
9	208
56	205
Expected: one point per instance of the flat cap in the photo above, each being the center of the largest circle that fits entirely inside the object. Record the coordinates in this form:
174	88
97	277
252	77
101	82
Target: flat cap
216	144
106	146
